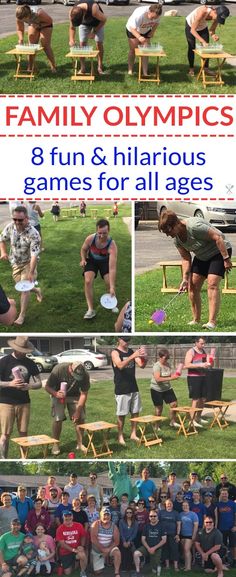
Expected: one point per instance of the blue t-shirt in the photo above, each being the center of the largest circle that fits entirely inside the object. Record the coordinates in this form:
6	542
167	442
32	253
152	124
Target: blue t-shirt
145	489
60	509
226	515
168	521
198	508
22	507
187	523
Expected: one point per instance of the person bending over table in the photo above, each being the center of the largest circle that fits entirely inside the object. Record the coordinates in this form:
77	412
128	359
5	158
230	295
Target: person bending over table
90	19
197	29
40	27
140	28
212	259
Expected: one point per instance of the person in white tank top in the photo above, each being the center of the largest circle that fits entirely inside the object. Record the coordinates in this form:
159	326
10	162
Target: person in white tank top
197	30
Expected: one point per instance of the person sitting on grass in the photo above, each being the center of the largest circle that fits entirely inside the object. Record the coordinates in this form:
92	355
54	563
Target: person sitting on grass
90	19
140	28
196	29
209	543
40	27
26	562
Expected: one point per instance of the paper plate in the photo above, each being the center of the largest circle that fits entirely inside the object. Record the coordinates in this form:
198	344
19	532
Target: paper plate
108	302
158	317
24	285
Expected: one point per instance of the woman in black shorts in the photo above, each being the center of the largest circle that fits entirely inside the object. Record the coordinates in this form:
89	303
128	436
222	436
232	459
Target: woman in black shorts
161	389
40	28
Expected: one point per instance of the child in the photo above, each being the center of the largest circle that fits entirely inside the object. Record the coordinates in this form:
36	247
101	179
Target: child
43	558
124	502
55	210
5	570
115	209
26	561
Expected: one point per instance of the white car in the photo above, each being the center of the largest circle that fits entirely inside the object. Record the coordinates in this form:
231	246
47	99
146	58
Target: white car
218	213
162	1
90	360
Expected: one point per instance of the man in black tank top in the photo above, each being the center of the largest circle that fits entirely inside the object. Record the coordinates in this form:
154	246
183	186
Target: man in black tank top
127	396
90	19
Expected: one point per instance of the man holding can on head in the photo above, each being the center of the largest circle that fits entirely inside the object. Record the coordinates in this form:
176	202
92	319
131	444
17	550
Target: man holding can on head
68	384
18	374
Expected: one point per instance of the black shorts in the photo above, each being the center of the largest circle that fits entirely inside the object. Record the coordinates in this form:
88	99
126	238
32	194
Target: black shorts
67	560
159	398
146	35
209	563
171	549
197	387
96	266
214	265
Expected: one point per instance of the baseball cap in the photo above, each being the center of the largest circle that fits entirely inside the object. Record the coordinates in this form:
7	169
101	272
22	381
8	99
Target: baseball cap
173	473
126	339
73	475
16	521
208	494
222	13
106	510
53	490
78	370
194	474
208	478
67	513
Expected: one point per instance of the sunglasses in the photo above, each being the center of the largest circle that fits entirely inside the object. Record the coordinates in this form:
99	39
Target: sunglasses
152	516
151	501
18	219
208	522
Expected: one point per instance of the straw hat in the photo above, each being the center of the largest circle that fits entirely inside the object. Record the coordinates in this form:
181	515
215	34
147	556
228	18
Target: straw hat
21	344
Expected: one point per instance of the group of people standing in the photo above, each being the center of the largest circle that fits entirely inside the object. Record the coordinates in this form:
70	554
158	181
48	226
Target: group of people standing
181	522
89	18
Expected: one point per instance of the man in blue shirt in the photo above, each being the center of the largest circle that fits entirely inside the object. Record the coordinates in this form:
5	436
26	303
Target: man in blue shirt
226	521
146	487
23	505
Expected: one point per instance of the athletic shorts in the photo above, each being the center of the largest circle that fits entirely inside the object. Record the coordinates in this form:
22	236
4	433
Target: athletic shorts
130	403
229	538
68	560
22	271
85	30
98	561
155	559
158	397
214	265
59	409
11	413
96	266
130	35
197	387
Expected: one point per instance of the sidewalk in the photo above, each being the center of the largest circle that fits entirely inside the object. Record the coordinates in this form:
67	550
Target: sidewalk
230	415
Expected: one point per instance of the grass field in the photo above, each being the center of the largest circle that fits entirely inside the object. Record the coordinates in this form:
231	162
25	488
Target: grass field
174	67
179	313
208	444
196	572
60	276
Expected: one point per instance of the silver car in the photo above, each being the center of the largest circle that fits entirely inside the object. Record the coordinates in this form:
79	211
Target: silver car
218	213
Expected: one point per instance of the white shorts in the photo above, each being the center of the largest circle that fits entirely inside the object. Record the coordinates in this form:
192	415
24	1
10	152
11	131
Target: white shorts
98	561
130	403
85	30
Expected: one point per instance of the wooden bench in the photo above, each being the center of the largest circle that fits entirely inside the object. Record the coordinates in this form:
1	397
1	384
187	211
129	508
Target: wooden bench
169	263
227	289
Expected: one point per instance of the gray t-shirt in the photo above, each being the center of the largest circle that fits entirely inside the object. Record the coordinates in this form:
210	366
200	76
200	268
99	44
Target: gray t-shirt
165	371
198	241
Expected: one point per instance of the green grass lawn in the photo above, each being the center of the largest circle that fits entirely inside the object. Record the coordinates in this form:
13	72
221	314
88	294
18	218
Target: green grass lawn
174	67
207	444
60	276
179	313
109	572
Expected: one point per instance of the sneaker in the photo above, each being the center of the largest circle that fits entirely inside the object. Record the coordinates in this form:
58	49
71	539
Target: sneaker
209	326
90	314
115	310
197	425
130	72
193	322
204	422
175	425
55	449
83	574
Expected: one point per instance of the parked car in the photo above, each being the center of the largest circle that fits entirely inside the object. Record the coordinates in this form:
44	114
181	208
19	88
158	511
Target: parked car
45	363
90	359
65	2
162	1
208	1
109	2
218	213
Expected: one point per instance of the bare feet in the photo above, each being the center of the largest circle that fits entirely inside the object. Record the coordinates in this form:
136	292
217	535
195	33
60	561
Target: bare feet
19	321
121	440
134	437
39	295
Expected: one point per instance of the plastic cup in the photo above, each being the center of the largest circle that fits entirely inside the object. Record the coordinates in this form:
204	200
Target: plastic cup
179	369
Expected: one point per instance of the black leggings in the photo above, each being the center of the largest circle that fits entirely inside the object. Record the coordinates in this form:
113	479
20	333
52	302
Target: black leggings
192	43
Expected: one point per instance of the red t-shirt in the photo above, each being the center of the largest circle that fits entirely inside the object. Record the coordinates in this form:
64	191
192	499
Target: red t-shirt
70	535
